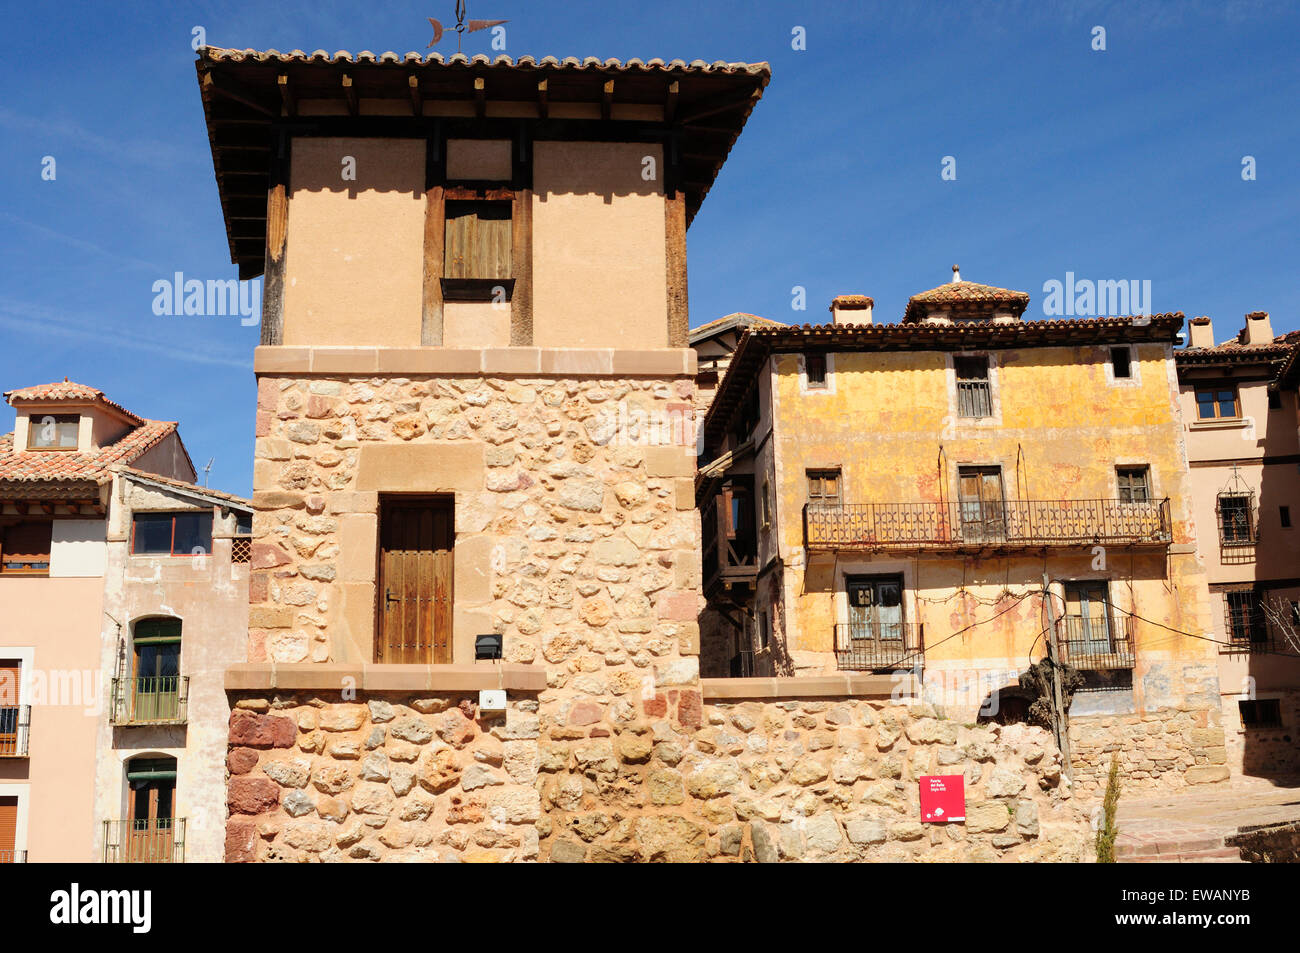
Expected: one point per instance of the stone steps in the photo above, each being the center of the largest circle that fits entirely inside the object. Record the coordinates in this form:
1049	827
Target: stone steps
1187	850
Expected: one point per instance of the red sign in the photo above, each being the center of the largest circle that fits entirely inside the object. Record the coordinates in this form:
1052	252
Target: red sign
943	798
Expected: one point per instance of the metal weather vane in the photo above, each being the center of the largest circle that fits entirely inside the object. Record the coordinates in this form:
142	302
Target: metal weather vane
462	26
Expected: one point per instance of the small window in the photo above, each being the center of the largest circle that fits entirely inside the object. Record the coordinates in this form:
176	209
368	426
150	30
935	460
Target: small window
171	534
815	365
1216	403
1274	400
243	524
25	547
824	487
53	432
1284	516
1121	363
1134	484
1245	617
1235	526
1260	713
974	397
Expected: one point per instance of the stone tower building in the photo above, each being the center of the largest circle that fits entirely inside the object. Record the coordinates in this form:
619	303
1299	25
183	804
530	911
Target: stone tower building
475	442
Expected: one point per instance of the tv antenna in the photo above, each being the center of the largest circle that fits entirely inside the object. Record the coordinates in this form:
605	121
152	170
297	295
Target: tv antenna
207	470
462	26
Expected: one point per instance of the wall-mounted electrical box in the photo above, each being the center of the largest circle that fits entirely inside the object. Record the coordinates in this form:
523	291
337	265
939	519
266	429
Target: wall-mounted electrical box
492	699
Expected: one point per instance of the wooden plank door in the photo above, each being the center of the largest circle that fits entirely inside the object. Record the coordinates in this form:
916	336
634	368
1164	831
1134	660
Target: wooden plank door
982	504
417	537
150	839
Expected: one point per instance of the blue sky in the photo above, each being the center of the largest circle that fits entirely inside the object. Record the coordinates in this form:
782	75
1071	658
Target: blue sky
1122	164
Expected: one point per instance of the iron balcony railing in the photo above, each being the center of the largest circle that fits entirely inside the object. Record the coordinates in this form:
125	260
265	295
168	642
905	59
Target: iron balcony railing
1251	632
158	841
15	726
1097	643
878	646
13	856
956	525
151	700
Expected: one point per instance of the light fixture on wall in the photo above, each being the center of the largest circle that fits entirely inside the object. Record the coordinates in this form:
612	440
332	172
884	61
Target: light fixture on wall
487	647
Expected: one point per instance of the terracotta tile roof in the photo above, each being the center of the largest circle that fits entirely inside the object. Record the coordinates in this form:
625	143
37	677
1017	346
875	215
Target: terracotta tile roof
221	54
964	295
64	466
738	319
69	391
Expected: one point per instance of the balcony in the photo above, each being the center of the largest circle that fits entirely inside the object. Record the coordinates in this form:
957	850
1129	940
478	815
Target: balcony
966	526
160	841
13	856
1097	644
15	724
730	549
153	700
878	646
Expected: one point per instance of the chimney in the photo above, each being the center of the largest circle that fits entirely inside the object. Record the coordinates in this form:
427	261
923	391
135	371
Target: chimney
1258	330
956	274
851	309
1201	332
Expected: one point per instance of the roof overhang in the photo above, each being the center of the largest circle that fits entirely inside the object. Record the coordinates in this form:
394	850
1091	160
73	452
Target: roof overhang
695	109
53	498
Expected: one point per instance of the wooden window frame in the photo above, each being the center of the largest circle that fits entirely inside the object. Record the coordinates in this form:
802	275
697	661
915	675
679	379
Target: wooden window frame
33	423
817	477
1259	705
977	394
1123	473
1216	389
172	545
822	381
476	287
45	571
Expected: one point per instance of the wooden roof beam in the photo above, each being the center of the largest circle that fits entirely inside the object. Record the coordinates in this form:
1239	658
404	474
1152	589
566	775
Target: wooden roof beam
543	105
417	98
607	99
480	97
233	90
287	99
713	107
350	94
670	102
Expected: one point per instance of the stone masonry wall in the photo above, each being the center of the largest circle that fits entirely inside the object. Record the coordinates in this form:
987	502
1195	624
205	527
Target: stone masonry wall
1162	750
429	778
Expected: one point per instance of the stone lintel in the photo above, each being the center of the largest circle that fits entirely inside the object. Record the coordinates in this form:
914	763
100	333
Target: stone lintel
367	677
275	360
810	686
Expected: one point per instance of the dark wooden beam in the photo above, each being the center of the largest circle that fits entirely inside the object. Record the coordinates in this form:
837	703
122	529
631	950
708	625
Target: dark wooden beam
286	95
678	299
670	102
480	97
434	238
275	243
543	102
234	91
725	104
350	93
607	99
521	254
417	99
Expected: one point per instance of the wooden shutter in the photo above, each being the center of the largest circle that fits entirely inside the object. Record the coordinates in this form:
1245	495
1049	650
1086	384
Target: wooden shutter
477	240
415	582
8	828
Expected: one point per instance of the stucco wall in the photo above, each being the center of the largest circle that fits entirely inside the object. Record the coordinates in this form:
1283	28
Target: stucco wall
354	266
57	622
599	246
210	597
